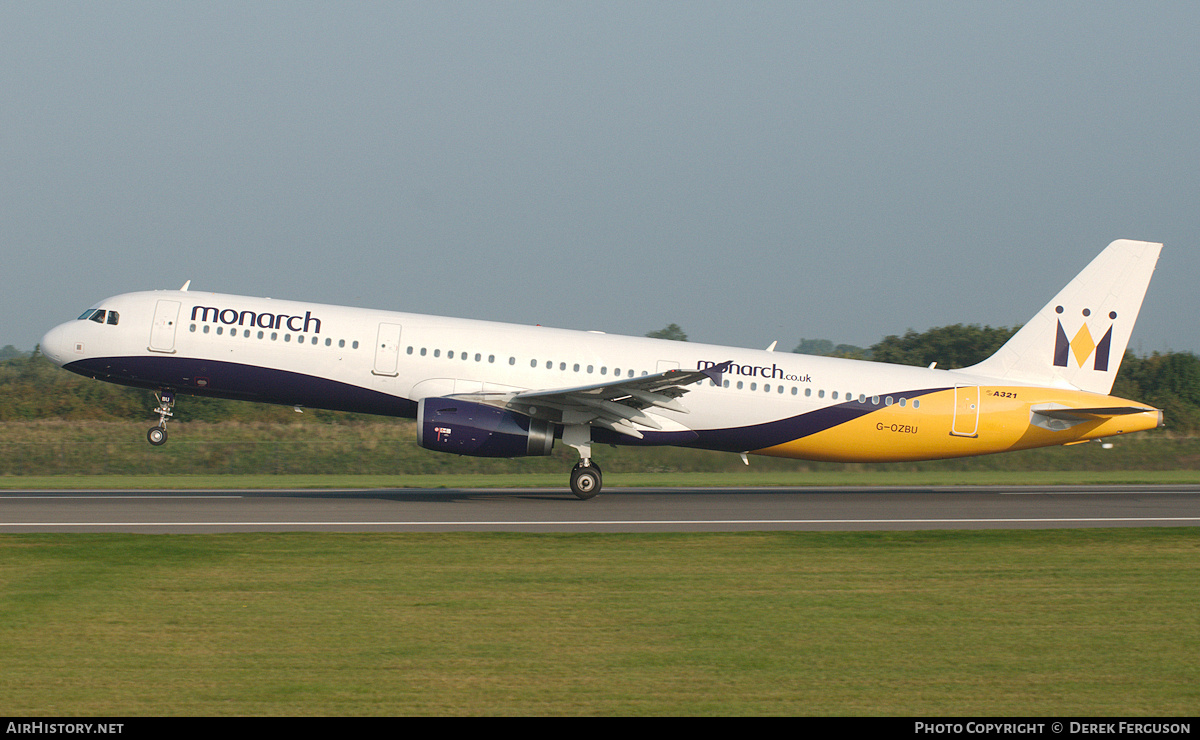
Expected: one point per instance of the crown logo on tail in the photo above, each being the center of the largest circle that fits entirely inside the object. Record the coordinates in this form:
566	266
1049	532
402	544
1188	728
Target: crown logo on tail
1083	346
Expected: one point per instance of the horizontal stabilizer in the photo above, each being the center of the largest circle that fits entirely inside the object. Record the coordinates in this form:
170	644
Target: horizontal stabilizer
1077	414
1058	418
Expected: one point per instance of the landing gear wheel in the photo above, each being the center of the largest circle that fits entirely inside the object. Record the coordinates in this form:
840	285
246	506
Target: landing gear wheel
166	401
586	481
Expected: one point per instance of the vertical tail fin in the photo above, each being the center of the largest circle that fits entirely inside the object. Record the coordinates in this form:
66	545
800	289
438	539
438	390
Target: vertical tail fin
1078	339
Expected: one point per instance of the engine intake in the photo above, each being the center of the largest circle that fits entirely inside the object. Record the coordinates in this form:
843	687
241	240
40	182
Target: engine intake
468	428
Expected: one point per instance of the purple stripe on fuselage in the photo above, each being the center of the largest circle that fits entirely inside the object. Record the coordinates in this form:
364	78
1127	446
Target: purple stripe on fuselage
758	436
243	383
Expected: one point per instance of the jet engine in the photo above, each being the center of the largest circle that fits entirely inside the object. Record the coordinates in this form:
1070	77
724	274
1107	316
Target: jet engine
479	430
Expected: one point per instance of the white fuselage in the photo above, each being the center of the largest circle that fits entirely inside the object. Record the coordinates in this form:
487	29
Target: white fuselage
411	356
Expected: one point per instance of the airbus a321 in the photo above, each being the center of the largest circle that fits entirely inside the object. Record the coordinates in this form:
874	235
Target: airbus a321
503	390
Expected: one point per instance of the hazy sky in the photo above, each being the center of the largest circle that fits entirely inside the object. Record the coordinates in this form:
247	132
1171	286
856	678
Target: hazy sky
753	171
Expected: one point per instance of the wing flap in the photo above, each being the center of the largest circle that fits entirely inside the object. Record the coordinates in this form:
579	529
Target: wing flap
617	405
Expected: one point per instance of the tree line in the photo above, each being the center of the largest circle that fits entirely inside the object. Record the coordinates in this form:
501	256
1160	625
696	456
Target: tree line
32	388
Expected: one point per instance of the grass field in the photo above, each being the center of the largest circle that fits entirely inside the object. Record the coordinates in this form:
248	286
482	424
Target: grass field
1080	622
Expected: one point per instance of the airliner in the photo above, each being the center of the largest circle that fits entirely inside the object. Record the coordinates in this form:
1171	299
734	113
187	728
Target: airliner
504	390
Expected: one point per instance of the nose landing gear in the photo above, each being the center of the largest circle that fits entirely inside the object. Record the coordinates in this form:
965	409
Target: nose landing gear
157	435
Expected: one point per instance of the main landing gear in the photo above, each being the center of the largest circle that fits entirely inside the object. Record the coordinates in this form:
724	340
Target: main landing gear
157	435
586	479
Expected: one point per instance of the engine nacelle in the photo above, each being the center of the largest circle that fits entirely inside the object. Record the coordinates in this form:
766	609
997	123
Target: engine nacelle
468	428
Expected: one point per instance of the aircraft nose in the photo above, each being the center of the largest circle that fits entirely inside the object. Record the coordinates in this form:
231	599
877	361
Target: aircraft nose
57	345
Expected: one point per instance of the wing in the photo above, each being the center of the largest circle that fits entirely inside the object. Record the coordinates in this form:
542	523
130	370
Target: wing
616	405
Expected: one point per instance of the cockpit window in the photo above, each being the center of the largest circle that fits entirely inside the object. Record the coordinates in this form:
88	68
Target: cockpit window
100	316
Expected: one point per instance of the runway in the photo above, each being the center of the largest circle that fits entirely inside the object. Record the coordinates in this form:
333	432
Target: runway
616	510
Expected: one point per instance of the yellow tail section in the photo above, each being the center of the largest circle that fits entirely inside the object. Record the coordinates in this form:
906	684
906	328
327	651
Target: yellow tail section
972	420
